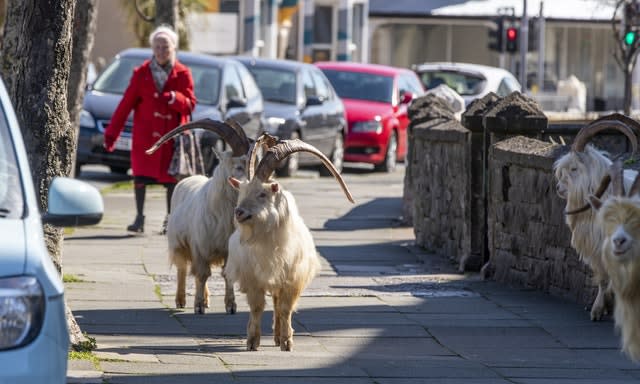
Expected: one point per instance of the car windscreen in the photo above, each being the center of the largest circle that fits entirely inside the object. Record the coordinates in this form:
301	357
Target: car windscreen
361	86
11	194
206	83
465	84
115	79
277	85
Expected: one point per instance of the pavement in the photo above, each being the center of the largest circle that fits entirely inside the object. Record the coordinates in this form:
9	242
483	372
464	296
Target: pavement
381	311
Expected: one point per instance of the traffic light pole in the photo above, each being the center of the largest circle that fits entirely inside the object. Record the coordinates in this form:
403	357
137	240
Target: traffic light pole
524	42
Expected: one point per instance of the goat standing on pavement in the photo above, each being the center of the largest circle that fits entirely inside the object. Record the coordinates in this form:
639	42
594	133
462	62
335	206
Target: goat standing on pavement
272	250
201	218
579	173
619	216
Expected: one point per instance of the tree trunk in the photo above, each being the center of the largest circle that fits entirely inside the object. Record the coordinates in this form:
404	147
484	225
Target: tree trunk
84	27
35	62
167	13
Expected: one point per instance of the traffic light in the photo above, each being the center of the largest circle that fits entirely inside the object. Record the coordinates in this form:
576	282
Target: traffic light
511	37
496	35
629	37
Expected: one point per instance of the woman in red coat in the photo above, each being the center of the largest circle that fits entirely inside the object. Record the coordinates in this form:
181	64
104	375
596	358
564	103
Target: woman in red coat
161	95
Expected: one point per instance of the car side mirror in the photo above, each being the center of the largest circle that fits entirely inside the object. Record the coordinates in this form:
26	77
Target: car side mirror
236	103
73	203
313	100
406	97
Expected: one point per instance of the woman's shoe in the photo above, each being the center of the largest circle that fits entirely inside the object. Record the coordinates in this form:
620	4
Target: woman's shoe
138	225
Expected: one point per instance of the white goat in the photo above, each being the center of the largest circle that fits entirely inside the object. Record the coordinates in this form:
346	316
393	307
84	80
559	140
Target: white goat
619	216
578	173
201	218
272	250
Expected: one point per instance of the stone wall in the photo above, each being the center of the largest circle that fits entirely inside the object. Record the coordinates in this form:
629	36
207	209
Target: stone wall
482	192
442	189
529	242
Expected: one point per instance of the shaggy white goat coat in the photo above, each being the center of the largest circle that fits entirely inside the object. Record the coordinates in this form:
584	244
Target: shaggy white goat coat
199	227
579	175
271	251
620	220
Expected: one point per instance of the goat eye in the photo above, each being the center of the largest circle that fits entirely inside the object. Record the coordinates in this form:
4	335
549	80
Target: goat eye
573	169
262	195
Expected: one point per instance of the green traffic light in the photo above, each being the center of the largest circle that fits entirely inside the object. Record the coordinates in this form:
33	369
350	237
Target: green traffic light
629	37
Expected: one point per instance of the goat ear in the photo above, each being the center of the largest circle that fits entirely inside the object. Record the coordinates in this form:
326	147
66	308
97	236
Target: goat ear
235	183
595	202
275	187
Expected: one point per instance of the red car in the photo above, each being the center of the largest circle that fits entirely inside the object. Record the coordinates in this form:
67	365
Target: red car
376	98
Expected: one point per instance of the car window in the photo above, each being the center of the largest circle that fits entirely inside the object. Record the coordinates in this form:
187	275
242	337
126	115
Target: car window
505	87
115	78
412	84
277	85
11	194
463	83
206	83
361	86
232	84
321	88
250	87
309	86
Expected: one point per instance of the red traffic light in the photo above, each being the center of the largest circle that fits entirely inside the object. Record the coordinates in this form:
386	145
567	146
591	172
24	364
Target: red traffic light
512	34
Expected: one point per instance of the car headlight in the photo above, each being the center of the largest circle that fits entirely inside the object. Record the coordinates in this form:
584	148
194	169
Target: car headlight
86	119
21	311
368	126
273	124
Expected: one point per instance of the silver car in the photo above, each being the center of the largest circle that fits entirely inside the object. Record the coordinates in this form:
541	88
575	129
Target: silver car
471	81
34	339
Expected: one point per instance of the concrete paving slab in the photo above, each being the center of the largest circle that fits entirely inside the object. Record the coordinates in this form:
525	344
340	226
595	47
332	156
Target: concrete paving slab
381	311
498	337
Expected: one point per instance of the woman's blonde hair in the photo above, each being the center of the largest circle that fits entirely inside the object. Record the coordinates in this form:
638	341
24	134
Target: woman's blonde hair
166	30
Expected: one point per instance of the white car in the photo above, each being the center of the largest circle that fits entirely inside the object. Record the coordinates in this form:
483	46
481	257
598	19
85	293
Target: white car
471	81
34	339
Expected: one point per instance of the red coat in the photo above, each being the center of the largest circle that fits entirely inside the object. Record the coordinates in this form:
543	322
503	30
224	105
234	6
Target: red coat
152	117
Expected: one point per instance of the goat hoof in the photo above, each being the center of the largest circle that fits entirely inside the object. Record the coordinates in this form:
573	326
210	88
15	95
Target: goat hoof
231	309
287	345
276	341
253	344
198	309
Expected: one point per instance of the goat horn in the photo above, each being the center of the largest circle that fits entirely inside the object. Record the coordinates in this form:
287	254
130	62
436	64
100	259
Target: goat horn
617	178
285	148
562	140
264	139
635	187
604	183
615	121
238	144
243	137
552	141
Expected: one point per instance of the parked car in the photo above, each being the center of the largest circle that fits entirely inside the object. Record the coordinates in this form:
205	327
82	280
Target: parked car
224	88
471	81
376	98
300	103
34	339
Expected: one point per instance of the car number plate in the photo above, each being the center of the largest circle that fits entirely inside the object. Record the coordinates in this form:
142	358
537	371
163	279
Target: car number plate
123	143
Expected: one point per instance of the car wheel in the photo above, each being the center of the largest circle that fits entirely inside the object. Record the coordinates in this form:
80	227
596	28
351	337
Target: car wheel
337	156
120	170
290	165
389	163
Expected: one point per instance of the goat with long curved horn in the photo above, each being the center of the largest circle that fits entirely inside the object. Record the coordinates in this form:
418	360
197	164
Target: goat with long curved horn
579	173
272	250
229	131
279	152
